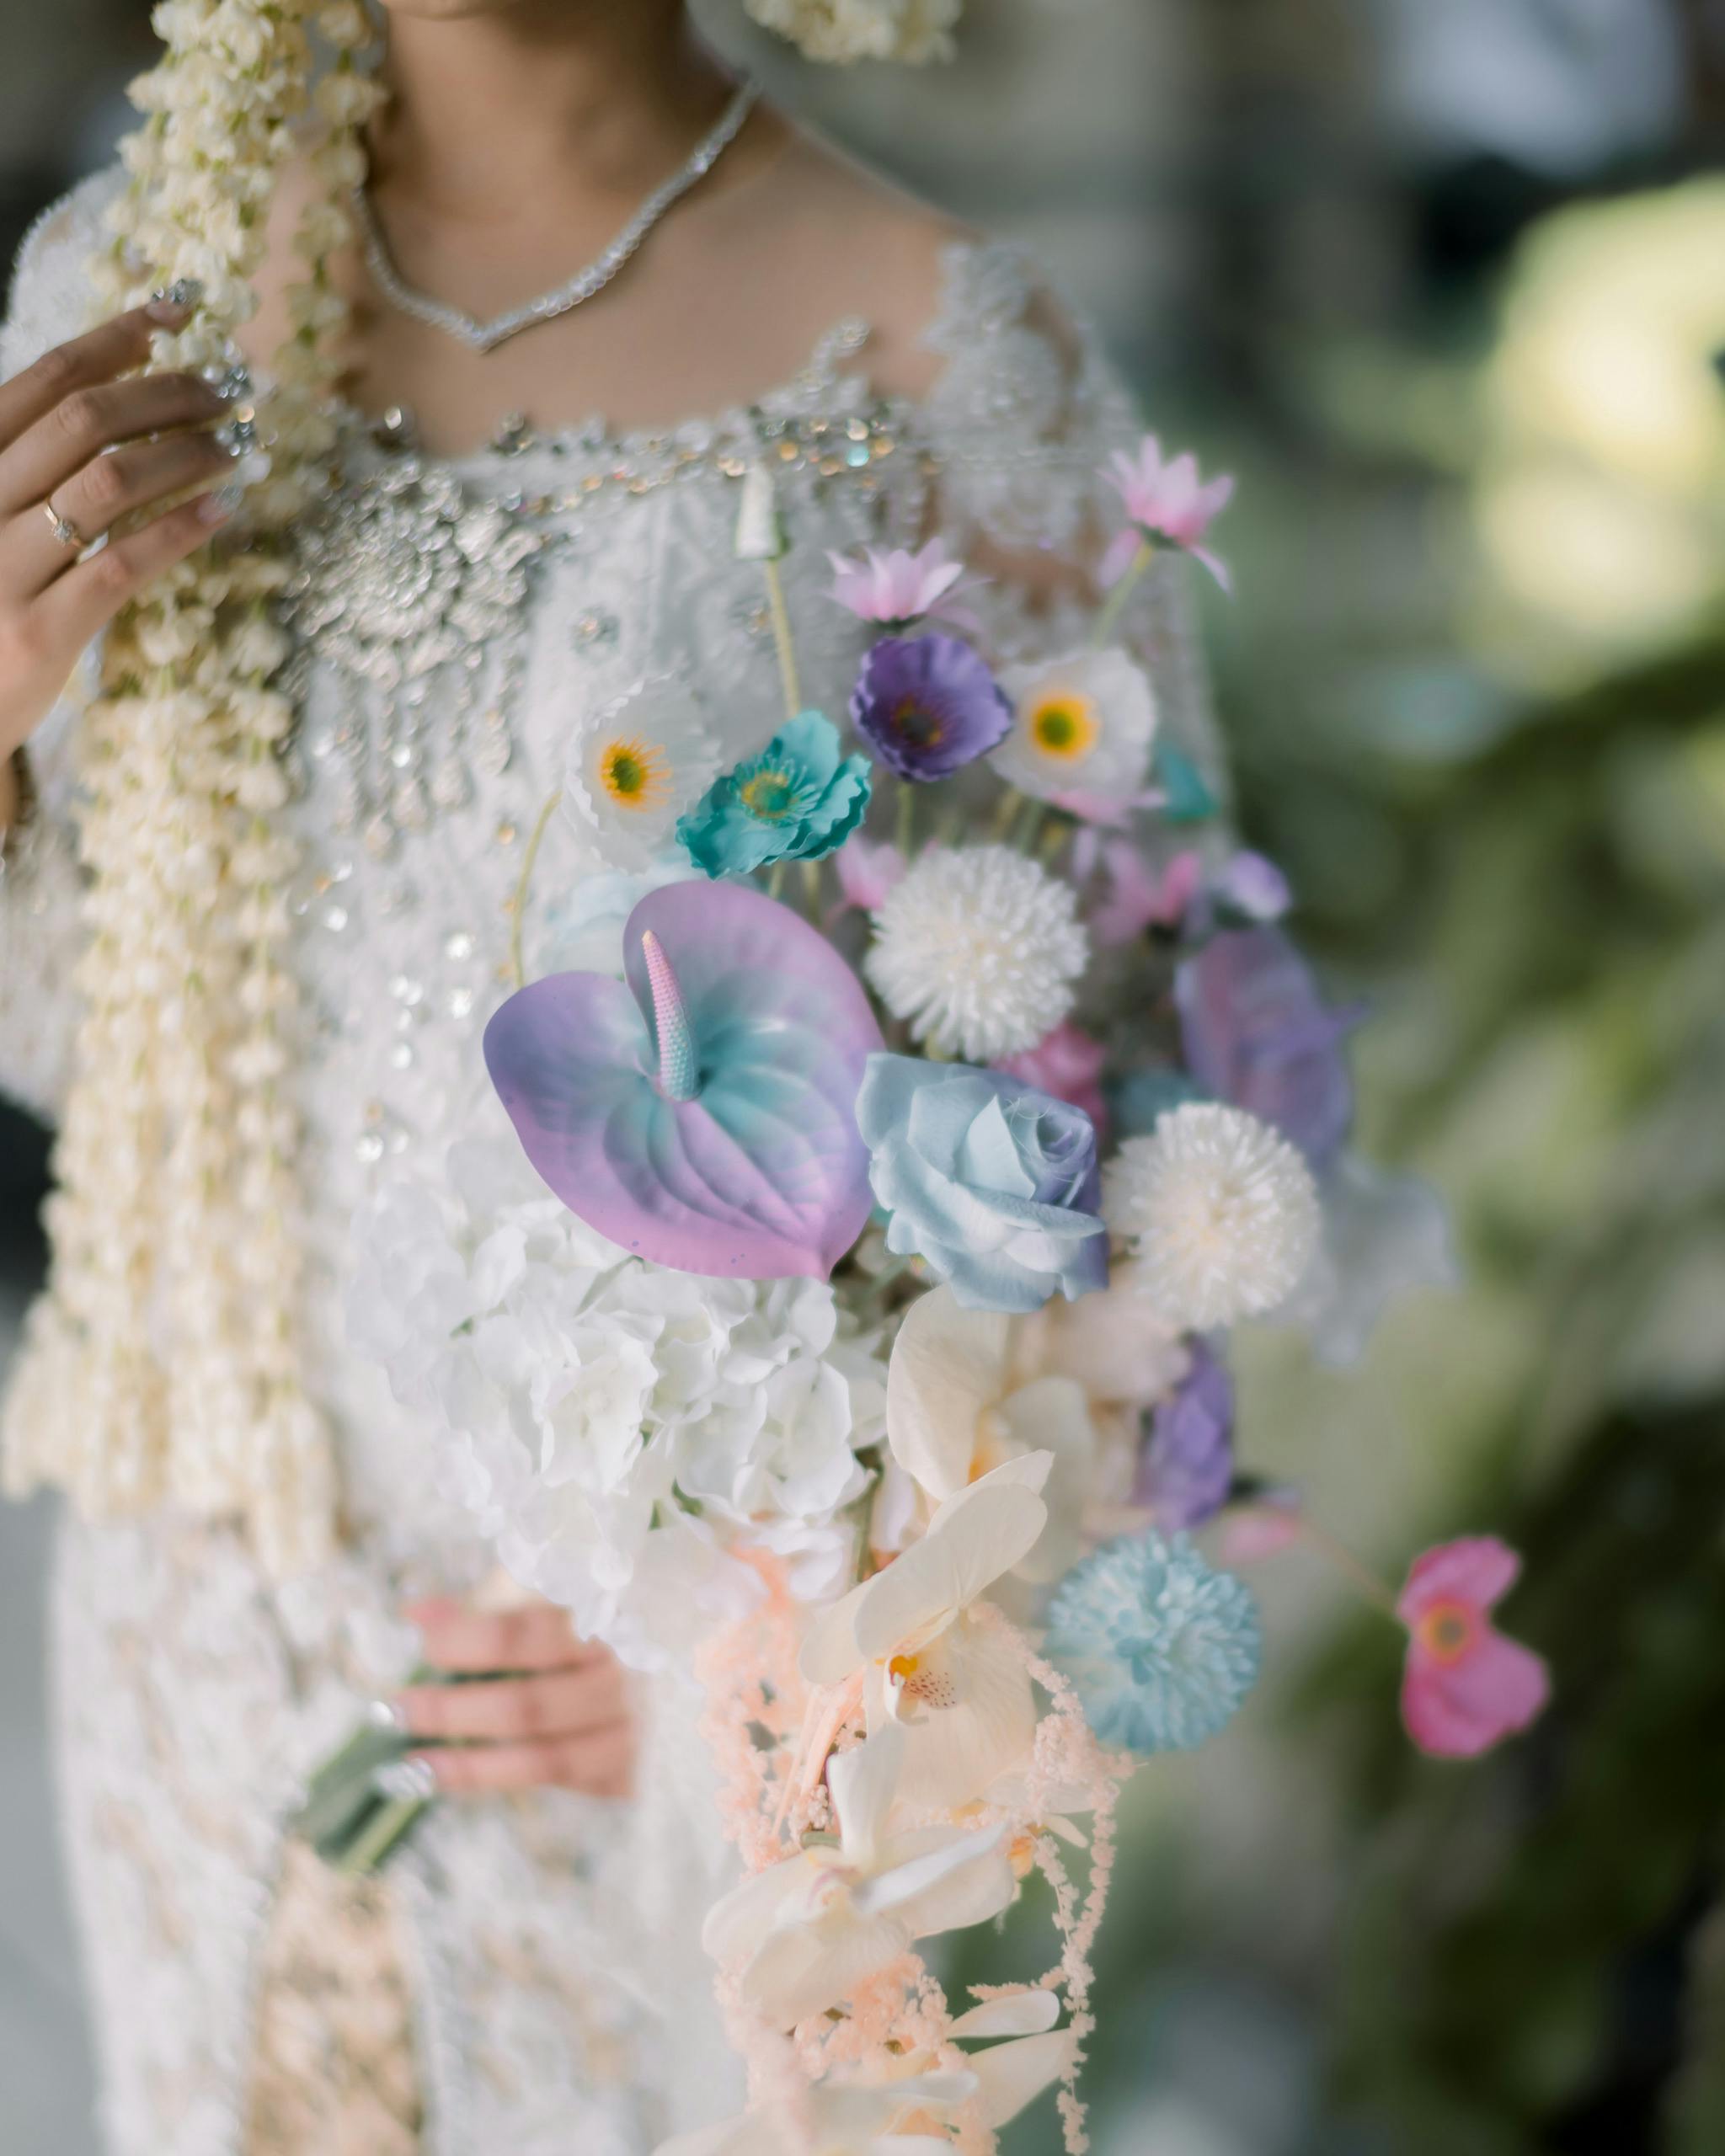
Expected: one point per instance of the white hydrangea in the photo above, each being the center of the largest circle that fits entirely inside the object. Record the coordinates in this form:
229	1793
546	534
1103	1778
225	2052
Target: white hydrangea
619	1431
980	949
1220	1211
915	31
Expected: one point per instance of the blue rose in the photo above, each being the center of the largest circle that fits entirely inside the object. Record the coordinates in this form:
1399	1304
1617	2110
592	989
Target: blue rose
994	1183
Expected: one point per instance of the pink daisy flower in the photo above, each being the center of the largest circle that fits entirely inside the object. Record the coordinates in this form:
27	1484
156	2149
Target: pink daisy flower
1168	503
897	588
1466	1685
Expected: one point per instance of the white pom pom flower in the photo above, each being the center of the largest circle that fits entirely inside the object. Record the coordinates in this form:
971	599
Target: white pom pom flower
980	950
1084	725
633	769
1220	1211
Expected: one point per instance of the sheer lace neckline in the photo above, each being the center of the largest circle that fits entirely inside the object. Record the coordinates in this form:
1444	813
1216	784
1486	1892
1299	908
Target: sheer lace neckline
824	385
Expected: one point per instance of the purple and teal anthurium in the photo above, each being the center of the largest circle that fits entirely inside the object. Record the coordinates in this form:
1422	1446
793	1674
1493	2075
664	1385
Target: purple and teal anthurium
702	1111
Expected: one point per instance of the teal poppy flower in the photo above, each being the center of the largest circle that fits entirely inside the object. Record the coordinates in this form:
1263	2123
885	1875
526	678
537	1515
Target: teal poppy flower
798	800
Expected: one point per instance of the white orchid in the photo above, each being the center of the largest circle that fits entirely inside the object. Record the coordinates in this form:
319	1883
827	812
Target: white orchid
959	1406
902	2114
926	1662
806	1933
842	2118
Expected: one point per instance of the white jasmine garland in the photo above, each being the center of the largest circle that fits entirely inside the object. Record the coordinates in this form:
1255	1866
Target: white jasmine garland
166	1341
1220	1211
915	31
980	949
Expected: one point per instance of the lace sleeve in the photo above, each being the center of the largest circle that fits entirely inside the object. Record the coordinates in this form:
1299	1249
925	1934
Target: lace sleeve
1023	420
39	880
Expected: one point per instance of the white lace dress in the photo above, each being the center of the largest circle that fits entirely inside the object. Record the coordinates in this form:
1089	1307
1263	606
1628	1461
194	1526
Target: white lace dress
453	619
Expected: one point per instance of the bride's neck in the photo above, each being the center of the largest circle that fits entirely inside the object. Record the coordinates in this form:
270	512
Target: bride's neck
541	98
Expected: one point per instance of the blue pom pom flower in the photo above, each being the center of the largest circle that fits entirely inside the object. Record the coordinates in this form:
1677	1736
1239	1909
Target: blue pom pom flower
798	800
1160	1649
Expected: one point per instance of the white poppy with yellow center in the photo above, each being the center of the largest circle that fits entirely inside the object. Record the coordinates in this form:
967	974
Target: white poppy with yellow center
1085	723
632	770
927	1662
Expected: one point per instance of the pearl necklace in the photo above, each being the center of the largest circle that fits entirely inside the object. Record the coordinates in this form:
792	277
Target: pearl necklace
486	336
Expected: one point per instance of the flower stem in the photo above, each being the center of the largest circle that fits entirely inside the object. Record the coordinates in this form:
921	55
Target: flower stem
906	816
517	969
1360	1575
775	879
1108	620
1031	826
780	615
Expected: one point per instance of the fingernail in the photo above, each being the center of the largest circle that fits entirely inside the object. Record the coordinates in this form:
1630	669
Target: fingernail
386	1714
171	304
216	507
407	1781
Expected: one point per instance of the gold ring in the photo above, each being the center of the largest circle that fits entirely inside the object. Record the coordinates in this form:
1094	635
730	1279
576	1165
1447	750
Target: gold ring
65	530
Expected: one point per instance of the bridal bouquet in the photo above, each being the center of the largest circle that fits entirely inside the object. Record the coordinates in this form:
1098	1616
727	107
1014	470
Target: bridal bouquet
833	1300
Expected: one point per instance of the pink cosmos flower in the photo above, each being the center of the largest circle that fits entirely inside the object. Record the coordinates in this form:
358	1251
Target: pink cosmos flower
1252	1532
1466	1685
867	869
1066	1062
897	588
1138	898
1167	503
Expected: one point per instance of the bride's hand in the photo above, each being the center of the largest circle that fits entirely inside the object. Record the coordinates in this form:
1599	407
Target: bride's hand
73	434
561	1719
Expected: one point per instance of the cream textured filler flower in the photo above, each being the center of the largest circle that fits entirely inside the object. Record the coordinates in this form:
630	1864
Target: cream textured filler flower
980	949
1221	1212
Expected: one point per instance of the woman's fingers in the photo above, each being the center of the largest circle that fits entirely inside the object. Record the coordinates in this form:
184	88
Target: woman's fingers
601	1762
114	349
47	455
93	501
484	1641
563	1704
80	605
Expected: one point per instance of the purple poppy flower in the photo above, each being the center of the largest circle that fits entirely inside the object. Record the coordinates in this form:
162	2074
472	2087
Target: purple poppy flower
1256	1032
1185	1469
927	705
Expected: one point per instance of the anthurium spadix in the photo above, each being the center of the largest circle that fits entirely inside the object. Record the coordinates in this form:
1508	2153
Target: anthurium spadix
702	1112
950	1682
805	1934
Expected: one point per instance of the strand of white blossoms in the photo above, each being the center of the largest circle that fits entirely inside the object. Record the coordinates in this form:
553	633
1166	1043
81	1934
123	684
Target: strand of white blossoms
915	31
178	1199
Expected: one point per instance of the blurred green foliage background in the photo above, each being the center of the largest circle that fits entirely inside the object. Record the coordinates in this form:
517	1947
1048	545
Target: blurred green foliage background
1444	282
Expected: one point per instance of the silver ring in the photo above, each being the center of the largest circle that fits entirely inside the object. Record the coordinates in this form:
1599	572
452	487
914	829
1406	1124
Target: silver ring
65	530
